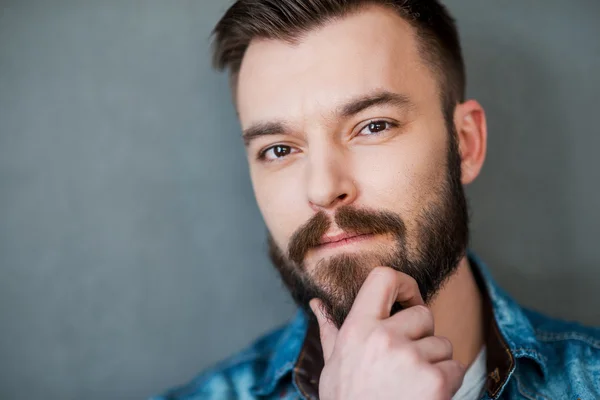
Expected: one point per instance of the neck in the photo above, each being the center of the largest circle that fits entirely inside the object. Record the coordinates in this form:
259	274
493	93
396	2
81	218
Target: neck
457	312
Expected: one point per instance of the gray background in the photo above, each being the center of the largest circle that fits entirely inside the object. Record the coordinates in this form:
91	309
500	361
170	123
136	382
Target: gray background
131	248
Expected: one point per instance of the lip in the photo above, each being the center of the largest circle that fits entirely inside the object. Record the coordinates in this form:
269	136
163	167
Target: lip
331	241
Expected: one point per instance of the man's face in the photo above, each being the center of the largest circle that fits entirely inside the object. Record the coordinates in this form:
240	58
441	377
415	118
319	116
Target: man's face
346	136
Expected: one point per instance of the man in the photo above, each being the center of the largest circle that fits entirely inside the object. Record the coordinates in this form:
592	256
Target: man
359	142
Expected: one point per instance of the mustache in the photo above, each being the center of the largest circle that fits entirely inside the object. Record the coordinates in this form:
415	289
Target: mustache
353	220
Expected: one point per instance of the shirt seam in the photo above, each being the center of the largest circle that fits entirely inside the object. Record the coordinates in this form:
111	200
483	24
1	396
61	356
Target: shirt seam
530	395
554	337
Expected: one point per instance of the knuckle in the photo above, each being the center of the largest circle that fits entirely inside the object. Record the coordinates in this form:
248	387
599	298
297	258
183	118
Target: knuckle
424	314
422	310
437	381
446	343
381	338
410	355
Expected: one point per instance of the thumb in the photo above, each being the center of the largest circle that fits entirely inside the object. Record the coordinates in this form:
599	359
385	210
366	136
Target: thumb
327	330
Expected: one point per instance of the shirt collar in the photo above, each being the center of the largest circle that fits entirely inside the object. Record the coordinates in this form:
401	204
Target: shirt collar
510	336
284	356
510	319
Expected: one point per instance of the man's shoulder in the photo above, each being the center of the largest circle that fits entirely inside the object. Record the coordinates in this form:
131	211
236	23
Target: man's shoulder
231	377
570	354
563	333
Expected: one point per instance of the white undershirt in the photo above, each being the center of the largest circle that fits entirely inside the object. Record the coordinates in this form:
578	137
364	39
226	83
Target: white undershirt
474	380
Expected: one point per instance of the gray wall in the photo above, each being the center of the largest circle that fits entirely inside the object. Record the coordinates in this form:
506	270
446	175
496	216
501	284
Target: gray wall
131	248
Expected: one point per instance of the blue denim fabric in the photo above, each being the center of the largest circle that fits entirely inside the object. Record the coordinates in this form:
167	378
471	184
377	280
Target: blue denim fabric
552	359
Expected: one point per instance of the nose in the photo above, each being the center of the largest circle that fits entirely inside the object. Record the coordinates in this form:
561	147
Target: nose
330	184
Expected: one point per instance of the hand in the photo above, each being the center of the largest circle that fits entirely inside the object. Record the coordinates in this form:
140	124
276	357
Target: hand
375	356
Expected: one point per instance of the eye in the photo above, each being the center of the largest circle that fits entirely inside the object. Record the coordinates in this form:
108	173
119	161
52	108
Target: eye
376	127
275	152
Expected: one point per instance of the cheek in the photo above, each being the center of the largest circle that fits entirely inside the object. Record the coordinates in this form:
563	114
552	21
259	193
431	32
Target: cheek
401	176
279	197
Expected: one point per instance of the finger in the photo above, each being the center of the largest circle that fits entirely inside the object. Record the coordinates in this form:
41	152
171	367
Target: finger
412	323
453	372
381	289
434	349
327	330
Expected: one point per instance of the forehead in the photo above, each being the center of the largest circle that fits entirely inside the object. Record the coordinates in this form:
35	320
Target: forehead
365	51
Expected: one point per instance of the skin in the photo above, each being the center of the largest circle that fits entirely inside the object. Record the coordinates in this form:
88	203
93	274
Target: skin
330	159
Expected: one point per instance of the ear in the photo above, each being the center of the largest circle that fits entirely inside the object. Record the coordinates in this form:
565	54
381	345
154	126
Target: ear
471	128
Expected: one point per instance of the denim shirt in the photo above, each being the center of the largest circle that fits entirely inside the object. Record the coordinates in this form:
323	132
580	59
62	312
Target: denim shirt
529	356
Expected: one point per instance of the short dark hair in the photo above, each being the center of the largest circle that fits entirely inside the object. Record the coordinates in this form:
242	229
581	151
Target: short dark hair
288	20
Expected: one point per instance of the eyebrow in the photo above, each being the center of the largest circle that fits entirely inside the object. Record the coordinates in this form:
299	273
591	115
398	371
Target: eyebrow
378	98
263	129
353	107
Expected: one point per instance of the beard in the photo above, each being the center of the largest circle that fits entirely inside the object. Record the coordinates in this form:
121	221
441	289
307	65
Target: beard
440	240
